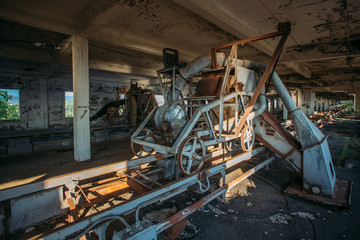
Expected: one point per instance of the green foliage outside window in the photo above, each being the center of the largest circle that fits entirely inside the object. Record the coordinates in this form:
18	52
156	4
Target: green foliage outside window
69	104
69	110
9	110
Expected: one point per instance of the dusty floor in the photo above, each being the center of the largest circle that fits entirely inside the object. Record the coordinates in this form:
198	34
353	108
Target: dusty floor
37	166
265	213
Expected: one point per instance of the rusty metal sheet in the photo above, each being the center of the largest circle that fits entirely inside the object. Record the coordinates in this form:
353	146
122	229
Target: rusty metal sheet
341	195
175	230
273	122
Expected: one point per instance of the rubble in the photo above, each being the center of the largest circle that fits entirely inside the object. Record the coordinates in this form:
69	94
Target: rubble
280	218
216	210
304	215
160	214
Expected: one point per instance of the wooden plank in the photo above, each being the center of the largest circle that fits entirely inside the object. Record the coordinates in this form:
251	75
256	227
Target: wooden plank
104	192
137	185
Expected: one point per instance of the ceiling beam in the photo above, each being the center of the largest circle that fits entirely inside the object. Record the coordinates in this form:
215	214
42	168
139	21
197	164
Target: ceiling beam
24	54
299	68
215	12
121	61
60	56
344	86
97	14
35	21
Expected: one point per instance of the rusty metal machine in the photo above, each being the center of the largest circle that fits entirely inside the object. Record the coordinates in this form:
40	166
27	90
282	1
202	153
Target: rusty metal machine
229	105
185	134
131	107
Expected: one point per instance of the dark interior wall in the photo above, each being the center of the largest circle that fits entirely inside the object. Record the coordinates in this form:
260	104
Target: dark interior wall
27	80
42	101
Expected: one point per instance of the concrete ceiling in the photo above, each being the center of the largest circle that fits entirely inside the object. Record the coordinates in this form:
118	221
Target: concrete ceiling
128	35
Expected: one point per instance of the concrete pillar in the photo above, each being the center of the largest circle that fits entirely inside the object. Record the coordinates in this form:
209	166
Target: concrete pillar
284	112
331	104
357	101
43	98
326	104
321	109
80	64
309	102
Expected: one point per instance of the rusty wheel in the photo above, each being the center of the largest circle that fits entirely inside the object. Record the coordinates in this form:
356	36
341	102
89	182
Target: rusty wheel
191	155
143	151
247	138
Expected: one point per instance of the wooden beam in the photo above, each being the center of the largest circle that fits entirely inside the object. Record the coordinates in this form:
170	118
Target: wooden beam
97	14
35	21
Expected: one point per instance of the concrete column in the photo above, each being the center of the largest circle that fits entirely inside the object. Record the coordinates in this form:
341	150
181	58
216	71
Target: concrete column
309	102
43	97
326	104
321	101
284	112
81	120
331	104
357	101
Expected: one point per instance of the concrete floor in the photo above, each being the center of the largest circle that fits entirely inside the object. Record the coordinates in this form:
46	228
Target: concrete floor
258	209
265	213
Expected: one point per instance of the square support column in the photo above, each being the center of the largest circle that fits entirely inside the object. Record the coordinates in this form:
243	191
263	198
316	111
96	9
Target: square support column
284	112
309	102
326	104
321	105
81	119
43	98
357	101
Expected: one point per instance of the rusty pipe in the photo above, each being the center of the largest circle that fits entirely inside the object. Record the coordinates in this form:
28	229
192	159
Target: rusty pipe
192	68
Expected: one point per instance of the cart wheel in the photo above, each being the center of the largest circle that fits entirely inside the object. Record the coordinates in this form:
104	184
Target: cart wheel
247	138
143	151
191	155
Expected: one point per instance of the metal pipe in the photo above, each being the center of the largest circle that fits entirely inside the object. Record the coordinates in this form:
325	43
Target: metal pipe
101	220
192	68
275	80
262	106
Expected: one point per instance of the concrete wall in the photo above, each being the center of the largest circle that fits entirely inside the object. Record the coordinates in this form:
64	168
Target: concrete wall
28	83
42	101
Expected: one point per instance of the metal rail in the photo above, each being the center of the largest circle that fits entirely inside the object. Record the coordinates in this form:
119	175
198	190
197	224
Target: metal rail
67	179
159	194
195	206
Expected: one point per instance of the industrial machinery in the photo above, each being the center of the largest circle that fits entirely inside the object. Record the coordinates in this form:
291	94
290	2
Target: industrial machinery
229	105
225	117
131	107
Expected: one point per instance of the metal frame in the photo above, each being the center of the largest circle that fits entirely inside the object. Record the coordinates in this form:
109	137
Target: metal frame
157	195
68	179
206	108
202	110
